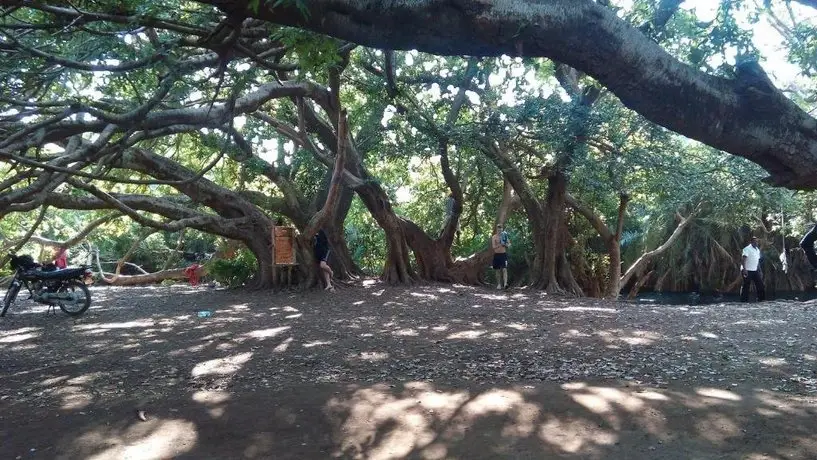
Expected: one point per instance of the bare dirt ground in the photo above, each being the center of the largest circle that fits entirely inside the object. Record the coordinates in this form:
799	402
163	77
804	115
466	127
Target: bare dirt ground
431	372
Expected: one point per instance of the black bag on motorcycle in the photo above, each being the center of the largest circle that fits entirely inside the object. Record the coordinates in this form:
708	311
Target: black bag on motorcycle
26	262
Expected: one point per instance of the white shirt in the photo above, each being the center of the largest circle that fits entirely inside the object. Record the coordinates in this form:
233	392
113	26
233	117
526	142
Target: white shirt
752	255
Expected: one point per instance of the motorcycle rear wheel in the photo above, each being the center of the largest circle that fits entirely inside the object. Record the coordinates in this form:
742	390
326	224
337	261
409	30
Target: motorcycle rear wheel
11	294
81	295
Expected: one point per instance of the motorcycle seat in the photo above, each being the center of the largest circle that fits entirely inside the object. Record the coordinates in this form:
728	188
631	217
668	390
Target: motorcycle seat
64	273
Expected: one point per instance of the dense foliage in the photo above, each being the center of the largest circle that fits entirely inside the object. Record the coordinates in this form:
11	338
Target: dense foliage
200	133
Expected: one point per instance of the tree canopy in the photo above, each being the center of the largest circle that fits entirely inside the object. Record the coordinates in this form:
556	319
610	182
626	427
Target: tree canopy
174	126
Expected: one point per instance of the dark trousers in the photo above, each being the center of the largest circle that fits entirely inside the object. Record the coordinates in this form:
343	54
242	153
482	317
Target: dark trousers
758	279
807	243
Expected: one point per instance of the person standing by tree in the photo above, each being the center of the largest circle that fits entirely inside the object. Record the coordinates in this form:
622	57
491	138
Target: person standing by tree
750	269
61	259
322	257
500	243
807	243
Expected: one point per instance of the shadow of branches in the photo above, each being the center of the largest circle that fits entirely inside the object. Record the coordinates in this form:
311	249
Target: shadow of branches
433	372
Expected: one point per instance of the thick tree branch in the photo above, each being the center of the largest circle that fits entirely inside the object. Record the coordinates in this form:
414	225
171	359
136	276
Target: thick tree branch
203	116
87	16
623	200
81	235
181	213
594	219
130	212
510	203
532	205
327	212
309	121
124	67
227	203
451	179
642	261
745	116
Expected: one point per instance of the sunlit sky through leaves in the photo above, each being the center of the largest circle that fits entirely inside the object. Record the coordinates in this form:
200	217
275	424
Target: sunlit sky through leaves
766	38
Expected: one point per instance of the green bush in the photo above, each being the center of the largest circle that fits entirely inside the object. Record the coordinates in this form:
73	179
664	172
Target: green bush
233	272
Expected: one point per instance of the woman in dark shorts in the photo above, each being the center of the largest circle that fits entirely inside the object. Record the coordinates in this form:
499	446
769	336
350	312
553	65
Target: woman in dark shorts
322	257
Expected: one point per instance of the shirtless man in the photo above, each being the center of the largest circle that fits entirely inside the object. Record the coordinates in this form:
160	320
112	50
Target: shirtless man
500	243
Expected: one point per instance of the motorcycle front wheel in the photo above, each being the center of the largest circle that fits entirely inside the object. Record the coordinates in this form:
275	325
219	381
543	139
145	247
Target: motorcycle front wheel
79	298
11	294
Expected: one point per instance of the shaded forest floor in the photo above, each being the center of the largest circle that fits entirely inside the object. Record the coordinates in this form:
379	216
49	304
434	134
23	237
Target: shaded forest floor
431	372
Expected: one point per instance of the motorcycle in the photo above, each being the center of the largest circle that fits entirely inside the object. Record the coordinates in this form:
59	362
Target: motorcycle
65	288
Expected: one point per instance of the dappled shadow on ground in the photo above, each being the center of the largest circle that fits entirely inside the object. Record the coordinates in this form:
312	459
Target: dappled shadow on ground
430	372
425	420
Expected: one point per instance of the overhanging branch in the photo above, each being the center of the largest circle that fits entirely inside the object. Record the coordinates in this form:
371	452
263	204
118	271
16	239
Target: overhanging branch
744	116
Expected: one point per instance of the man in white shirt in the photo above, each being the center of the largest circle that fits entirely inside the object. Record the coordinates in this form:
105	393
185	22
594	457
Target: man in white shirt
750	269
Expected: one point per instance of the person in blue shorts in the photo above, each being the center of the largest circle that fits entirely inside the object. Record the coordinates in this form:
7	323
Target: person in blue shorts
500	242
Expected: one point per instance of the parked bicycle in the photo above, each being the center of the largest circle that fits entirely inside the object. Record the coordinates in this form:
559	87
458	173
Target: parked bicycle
65	288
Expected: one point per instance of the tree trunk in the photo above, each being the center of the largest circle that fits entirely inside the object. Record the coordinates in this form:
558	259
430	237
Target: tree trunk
397	269
432	257
564	269
472	270
341	260
612	239
639	284
150	278
546	221
640	263
308	269
547	241
614	281
434	261
259	242
256	235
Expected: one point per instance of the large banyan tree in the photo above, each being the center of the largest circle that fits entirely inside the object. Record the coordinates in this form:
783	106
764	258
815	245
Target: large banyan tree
224	116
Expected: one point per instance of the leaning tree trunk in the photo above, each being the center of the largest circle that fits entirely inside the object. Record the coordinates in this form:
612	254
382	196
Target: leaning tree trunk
176	274
341	260
639	265
397	269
